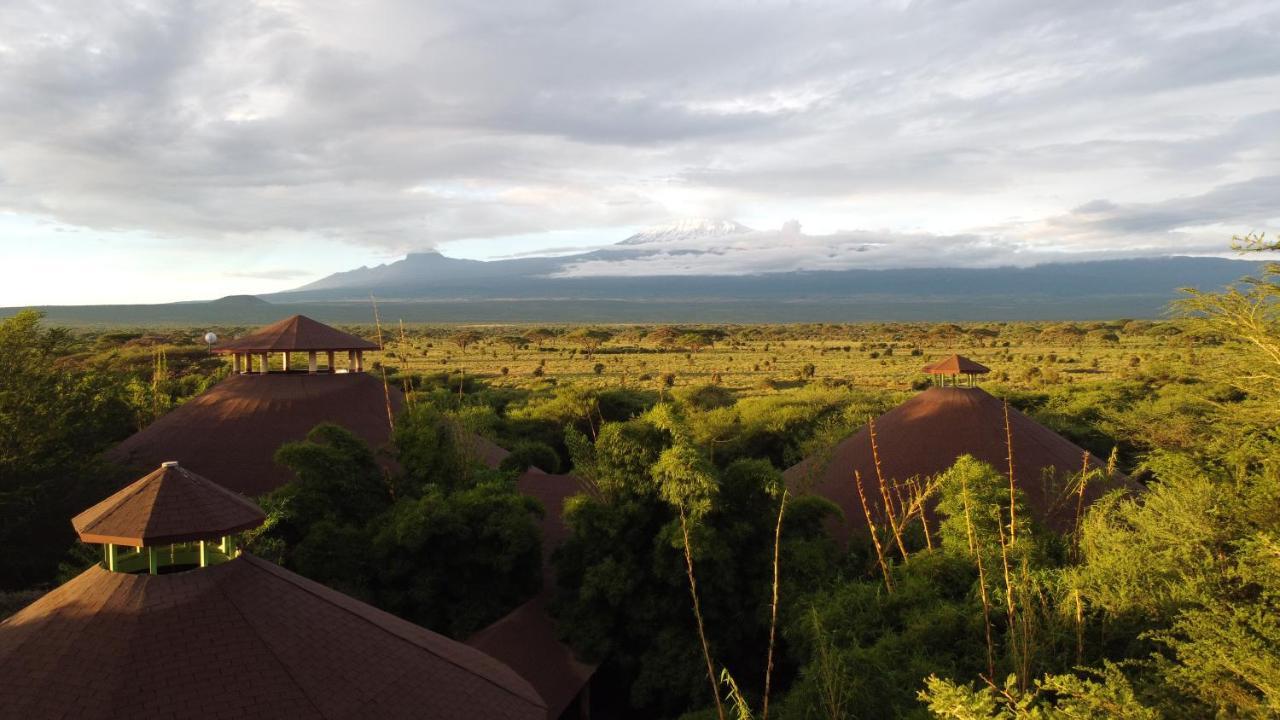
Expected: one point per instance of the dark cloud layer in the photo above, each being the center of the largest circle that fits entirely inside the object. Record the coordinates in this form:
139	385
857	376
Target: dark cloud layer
401	125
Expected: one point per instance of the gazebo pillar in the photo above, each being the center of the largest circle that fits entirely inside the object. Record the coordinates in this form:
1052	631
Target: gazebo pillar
311	362
266	363
359	361
331	368
284	360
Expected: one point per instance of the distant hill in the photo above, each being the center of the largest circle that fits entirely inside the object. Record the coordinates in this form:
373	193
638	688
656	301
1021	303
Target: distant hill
431	288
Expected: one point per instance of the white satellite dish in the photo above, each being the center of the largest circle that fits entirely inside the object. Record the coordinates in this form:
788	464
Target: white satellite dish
210	338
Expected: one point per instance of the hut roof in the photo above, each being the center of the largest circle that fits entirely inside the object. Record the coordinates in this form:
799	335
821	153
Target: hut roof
526	639
232	431
957	365
244	639
169	505
926	434
296	334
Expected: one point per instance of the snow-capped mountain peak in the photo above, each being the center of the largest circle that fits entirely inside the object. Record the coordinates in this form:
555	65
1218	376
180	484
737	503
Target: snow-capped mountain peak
688	229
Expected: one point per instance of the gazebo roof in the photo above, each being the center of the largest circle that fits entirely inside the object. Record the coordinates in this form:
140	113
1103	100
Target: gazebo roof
243	639
169	505
957	365
295	334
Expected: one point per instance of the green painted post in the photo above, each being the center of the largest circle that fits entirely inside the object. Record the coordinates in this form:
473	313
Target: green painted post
204	554
153	566
231	546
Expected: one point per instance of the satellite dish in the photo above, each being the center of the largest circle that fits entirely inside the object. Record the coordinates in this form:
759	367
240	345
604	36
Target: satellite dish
210	338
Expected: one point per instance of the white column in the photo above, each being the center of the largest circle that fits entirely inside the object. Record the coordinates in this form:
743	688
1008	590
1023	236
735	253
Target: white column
284	360
311	361
266	363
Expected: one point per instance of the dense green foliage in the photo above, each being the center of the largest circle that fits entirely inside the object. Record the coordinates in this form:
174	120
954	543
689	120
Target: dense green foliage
441	541
64	398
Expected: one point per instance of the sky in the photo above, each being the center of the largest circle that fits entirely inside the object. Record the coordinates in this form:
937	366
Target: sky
153	152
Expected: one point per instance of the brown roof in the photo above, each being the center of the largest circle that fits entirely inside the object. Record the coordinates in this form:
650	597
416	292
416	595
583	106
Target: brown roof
232	431
298	333
957	365
170	505
925	435
244	639
485	450
526	639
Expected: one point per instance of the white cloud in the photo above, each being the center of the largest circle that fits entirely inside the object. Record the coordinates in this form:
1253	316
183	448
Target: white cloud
938	131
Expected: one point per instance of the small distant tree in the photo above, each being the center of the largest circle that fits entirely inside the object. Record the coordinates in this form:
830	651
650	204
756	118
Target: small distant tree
589	338
513	342
538	336
464	338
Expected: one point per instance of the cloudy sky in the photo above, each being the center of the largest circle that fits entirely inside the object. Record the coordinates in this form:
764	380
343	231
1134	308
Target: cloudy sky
159	151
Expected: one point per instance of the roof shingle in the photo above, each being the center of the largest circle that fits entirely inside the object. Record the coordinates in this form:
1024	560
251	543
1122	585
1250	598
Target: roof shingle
169	505
295	334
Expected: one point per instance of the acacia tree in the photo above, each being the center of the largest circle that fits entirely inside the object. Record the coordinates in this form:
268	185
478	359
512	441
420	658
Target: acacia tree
538	336
590	338
1249	316
464	338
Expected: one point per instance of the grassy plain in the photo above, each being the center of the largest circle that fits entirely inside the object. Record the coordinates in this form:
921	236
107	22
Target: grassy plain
762	360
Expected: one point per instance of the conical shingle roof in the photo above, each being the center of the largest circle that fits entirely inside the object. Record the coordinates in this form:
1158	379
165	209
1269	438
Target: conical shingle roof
296	334
957	365
926	434
244	639
169	505
232	431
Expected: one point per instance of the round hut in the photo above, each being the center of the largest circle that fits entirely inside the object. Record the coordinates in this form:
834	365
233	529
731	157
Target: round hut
925	435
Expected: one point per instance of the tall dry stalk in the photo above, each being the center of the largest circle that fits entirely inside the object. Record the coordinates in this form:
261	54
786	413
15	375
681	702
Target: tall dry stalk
1009	598
1079	626
404	370
829	671
1008	440
875	535
890	514
982	577
697	614
1083	484
918	496
386	389
773	610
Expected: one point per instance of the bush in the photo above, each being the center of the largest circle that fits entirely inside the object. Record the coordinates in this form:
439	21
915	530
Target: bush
531	454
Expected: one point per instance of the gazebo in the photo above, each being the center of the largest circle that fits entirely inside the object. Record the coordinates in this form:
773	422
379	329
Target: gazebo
297	334
954	366
190	631
172	519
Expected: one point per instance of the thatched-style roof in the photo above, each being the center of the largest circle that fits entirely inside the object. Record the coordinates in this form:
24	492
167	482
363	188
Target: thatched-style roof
926	434
169	505
295	334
